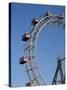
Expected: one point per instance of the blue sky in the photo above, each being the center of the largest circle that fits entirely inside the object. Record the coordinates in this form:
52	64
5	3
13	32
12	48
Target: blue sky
50	42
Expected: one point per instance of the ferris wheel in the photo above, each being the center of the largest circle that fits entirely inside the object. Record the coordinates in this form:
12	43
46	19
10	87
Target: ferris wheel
30	39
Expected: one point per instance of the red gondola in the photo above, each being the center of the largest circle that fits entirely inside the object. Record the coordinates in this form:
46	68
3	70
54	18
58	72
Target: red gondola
23	60
60	16
48	14
35	21
26	36
28	84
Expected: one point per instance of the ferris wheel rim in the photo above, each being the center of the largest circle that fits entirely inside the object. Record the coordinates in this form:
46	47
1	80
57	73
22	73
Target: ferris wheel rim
36	38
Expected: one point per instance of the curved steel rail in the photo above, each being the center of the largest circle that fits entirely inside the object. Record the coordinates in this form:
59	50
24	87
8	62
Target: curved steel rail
30	48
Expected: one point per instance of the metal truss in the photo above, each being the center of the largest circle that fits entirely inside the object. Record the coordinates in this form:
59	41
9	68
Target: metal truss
59	69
